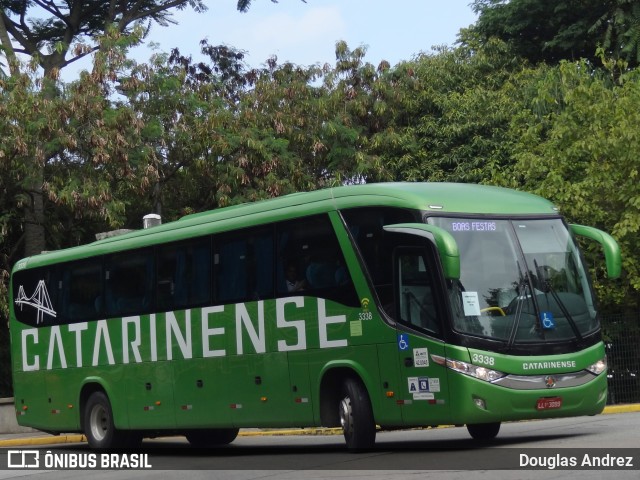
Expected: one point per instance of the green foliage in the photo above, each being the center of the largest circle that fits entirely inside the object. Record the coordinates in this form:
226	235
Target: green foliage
72	147
544	31
48	30
215	141
184	136
579	146
453	109
621	25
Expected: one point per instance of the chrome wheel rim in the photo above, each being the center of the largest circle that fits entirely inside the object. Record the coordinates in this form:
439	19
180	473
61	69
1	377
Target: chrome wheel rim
346	417
99	422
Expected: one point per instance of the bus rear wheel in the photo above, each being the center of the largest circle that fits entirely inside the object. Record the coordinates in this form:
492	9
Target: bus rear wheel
483	431
212	437
98	424
356	416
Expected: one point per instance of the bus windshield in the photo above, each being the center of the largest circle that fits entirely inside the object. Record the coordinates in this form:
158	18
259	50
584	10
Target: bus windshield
521	281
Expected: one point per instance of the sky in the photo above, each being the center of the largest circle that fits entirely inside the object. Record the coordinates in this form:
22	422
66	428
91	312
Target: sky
306	33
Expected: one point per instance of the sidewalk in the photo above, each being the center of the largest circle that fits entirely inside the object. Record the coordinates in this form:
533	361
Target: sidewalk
40	438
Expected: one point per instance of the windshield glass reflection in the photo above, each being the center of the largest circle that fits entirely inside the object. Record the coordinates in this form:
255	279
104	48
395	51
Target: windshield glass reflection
521	281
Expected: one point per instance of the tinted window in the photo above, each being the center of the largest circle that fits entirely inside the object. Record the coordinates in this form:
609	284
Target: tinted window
183	275
243	265
310	261
81	291
375	245
129	283
416	294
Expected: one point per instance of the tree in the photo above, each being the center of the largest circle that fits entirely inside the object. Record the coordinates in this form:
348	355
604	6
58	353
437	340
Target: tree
544	31
621	27
228	134
577	143
47	32
88	153
188	108
451	117
85	144
70	159
50	31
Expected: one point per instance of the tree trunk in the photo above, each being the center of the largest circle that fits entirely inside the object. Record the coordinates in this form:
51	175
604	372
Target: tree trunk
34	218
9	52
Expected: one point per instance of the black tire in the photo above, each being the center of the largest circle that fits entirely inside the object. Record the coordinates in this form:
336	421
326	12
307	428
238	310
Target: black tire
212	437
356	416
98	424
483	431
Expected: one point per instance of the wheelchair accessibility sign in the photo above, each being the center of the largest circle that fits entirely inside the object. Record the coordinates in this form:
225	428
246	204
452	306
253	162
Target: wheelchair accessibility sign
547	320
403	341
423	388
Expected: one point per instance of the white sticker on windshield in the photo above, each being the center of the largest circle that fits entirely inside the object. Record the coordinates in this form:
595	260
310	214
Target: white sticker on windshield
471	304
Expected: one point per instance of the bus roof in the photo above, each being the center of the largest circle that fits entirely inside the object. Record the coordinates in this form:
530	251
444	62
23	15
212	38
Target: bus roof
441	198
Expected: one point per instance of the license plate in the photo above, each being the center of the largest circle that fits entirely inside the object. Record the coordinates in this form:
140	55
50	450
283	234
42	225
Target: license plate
548	403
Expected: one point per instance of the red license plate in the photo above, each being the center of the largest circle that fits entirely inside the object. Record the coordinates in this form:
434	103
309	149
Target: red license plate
548	403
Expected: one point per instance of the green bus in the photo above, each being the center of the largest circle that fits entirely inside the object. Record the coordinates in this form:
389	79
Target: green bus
365	307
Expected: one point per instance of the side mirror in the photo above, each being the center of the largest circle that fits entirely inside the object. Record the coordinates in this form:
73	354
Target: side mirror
443	240
611	249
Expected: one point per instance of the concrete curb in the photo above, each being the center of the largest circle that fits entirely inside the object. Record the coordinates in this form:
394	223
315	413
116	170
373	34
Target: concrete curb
79	438
33	441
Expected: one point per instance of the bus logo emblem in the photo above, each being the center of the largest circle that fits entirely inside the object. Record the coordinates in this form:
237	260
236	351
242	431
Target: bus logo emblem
39	300
549	381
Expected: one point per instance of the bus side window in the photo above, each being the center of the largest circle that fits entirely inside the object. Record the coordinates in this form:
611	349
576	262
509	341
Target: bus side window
128	287
183	274
243	265
311	262
262	266
230	270
82	291
375	245
416	302
166	277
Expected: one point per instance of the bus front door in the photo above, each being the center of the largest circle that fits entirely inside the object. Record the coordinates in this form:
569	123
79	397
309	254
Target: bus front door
423	383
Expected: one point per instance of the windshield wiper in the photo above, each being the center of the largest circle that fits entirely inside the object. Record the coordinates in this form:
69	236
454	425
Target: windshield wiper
521	291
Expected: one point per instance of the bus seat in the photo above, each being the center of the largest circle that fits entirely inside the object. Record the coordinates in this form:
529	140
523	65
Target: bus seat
320	275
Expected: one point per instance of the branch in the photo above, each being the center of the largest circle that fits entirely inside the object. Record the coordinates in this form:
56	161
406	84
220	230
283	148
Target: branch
136	14
243	5
82	55
15	30
53	11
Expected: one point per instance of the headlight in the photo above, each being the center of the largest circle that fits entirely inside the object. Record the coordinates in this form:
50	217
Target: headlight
481	373
598	367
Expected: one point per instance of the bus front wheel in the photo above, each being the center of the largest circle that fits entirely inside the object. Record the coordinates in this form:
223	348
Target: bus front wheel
356	416
98	423
483	431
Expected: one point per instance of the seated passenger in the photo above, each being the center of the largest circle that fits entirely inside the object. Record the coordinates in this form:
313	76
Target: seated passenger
293	279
